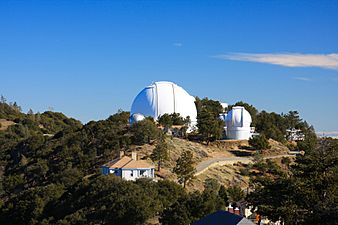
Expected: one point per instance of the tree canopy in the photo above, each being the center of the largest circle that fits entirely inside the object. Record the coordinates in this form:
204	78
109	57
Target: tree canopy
210	126
50	173
160	152
307	195
184	168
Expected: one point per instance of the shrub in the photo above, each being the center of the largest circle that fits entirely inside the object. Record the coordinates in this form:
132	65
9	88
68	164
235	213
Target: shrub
259	142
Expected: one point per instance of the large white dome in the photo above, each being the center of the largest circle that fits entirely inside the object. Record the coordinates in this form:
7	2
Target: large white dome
238	123
164	97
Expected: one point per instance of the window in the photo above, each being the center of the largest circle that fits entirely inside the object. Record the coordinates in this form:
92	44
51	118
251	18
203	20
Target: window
142	172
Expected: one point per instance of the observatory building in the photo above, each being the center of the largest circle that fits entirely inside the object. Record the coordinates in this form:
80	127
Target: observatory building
237	121
163	97
136	117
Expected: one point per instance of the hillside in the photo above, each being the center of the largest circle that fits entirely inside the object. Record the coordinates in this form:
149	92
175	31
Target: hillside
176	147
50	172
4	124
226	174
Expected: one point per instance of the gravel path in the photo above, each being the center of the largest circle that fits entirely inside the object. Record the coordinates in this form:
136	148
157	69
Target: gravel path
205	165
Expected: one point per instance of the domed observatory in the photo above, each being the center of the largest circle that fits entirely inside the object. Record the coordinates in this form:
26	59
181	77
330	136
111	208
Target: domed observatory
164	97
238	124
136	117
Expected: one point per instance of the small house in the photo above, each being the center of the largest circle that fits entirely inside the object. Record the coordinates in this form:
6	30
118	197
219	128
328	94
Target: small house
223	218
129	168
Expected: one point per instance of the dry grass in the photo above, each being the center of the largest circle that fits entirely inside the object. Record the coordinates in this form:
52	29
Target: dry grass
277	148
225	175
5	124
200	151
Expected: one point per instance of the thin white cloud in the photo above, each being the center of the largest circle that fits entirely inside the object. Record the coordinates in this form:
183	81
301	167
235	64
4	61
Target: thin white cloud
302	78
177	44
327	61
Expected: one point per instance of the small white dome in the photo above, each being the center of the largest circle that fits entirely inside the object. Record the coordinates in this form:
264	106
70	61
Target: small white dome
224	105
223	116
238	123
136	117
164	97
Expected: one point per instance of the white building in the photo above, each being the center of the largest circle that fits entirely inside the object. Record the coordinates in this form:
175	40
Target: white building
295	135
237	121
136	117
224	106
129	168
164	97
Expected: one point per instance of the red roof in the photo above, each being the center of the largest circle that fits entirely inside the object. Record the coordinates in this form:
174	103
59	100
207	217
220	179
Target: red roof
127	163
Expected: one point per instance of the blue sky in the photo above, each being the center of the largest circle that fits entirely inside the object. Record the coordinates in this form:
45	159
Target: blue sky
88	59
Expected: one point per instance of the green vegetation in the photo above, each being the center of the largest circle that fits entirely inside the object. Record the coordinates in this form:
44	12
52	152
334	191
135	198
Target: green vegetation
144	131
168	120
236	194
50	173
210	126
271	125
9	111
39	171
259	142
184	168
160	152
308	194
274	125
55	178
165	120
192	207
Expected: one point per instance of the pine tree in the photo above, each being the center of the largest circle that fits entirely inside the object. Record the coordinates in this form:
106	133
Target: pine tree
165	120
308	195
160	152
210	126
184	168
3	99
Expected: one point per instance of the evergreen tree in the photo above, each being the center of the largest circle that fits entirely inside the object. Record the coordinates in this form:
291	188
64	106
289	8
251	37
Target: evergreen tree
259	142
209	125
176	214
222	192
144	131
308	195
235	194
177	119
184	168
165	120
160	152
3	99
211	185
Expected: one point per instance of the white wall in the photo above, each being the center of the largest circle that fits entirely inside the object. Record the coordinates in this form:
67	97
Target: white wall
133	174
238	133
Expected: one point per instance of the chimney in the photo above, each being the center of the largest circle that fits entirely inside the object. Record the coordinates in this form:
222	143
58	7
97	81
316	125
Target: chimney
121	154
230	209
236	211
134	155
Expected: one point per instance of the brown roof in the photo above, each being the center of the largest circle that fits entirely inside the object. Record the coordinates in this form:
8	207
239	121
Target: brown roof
128	163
